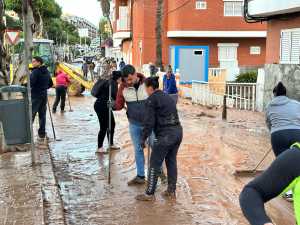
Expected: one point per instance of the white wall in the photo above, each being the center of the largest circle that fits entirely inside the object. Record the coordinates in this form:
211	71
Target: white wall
272	7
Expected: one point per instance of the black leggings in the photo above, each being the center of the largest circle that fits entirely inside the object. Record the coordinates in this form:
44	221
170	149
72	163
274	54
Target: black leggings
282	172
283	140
165	147
103	117
61	92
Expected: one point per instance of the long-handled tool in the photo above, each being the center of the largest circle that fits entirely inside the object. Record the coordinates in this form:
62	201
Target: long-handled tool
52	124
70	110
109	132
148	157
255	171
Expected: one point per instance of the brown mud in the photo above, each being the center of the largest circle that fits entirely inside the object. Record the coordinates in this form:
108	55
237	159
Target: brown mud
207	190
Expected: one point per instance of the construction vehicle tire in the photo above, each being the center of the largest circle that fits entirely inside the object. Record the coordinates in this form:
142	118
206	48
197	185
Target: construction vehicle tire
75	88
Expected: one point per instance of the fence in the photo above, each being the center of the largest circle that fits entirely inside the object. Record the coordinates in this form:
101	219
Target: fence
241	96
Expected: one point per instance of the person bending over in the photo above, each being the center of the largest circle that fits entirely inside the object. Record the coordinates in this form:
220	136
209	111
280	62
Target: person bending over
283	120
161	117
283	175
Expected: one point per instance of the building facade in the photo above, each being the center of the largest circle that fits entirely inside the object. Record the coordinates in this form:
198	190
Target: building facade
196	34
82	23
283	44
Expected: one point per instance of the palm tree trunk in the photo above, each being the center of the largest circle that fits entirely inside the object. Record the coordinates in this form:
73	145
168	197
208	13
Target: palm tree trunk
158	33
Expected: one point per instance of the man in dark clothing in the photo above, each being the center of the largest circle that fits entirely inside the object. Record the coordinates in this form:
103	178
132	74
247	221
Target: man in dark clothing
40	81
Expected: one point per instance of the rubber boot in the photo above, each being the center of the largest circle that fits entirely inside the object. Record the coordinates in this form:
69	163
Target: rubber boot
151	187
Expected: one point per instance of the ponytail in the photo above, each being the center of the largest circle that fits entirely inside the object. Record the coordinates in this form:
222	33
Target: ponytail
152	82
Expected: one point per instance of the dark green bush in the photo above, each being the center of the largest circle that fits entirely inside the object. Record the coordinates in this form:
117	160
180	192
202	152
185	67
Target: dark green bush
248	77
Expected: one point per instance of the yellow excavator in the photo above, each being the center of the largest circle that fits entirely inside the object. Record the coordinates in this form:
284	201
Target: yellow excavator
44	49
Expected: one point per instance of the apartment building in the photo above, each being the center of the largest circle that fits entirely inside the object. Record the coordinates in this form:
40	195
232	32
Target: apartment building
196	35
82	23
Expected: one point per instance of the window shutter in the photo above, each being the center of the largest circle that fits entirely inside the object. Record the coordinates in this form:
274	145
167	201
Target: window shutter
295	47
285	55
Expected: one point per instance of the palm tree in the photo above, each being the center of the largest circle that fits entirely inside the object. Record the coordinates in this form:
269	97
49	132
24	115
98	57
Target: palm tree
158	33
105	6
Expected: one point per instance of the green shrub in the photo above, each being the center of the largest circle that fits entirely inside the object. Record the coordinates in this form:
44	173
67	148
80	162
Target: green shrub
248	77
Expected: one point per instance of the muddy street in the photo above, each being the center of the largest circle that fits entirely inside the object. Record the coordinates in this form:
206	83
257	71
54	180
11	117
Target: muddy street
207	190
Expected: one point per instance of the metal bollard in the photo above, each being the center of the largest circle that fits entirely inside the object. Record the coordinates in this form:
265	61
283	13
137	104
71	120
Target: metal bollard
224	113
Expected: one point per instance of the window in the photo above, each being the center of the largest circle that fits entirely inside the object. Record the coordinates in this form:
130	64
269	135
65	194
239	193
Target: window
255	50
200	4
290	46
198	52
233	8
227	51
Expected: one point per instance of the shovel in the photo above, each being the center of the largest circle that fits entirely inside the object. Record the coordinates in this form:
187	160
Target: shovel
253	172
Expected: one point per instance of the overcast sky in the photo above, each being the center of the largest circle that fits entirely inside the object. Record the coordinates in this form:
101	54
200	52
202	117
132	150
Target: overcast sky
89	9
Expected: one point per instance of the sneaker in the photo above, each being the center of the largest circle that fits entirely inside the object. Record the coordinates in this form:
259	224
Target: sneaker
169	194
137	181
101	150
145	197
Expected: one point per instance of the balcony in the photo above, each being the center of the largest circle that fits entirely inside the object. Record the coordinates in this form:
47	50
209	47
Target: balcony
271	7
122	24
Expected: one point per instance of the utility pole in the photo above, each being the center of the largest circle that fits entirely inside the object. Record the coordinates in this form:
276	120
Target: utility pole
29	28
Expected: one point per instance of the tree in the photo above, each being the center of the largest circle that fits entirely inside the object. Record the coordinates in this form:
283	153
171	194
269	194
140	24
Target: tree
29	29
103	31
3	59
105	6
158	33
43	10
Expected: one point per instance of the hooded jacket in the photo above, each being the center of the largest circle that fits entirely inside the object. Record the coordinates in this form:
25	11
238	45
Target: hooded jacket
170	84
135	98
283	114
40	81
62	79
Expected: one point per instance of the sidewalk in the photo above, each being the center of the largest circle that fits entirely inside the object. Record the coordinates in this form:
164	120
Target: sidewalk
21	201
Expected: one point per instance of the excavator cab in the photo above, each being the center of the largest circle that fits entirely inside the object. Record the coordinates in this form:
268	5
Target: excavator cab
43	48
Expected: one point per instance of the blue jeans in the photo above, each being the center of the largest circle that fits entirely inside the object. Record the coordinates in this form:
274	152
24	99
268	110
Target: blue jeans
136	133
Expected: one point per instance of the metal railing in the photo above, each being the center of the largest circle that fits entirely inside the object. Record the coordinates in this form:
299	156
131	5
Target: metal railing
243	95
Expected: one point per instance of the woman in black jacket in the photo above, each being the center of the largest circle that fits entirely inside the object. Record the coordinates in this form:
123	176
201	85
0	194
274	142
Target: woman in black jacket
102	110
162	119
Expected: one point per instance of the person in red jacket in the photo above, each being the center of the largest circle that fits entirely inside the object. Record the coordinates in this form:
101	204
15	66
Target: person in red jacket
62	82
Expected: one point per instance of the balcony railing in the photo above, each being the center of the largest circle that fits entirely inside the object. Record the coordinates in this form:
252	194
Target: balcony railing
123	23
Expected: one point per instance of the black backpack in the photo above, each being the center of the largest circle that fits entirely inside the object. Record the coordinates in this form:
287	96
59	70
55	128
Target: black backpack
100	84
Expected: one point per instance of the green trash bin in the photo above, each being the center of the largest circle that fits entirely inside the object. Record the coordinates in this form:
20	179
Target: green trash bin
14	115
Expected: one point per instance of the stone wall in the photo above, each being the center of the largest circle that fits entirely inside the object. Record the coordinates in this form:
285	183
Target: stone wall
288	74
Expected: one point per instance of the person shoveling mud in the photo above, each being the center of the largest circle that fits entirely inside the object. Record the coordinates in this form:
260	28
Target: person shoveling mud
162	118
281	176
